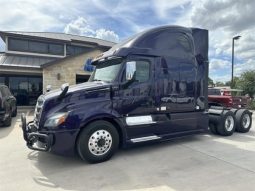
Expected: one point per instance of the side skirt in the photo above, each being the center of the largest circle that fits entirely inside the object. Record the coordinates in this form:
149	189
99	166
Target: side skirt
155	138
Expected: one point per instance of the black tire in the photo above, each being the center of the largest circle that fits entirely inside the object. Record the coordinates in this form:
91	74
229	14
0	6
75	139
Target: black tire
8	121
14	113
86	136
213	128
243	124
227	123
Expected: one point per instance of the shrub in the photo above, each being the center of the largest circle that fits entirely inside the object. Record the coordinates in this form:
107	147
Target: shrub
251	105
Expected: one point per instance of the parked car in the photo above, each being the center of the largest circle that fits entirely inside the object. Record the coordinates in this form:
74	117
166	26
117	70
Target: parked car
8	107
230	98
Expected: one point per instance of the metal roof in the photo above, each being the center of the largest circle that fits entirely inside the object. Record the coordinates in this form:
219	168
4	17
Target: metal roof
60	36
23	61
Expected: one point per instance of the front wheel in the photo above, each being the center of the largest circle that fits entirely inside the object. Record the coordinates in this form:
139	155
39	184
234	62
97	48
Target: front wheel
98	142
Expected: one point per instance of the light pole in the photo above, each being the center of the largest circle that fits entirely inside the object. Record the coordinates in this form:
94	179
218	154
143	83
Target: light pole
233	47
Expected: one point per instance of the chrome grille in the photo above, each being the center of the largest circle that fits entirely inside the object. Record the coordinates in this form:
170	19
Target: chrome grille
38	111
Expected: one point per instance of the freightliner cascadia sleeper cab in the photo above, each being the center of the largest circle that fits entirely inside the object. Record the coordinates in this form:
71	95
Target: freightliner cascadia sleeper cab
152	87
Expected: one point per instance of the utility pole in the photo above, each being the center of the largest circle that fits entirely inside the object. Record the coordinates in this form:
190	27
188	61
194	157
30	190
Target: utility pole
233	52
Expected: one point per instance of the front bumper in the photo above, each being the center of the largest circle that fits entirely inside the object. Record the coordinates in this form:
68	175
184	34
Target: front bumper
35	140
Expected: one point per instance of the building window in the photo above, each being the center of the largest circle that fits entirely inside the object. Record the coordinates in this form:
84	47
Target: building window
18	45
26	89
2	80
35	47
82	78
70	50
74	50
38	47
56	49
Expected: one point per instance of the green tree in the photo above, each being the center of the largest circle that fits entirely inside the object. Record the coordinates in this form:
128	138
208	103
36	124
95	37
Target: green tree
236	83
228	83
247	82
210	82
219	84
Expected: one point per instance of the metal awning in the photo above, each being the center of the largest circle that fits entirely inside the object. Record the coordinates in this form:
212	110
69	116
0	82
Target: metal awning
23	61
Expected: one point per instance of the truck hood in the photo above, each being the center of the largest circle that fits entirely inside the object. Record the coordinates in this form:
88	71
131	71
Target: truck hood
87	86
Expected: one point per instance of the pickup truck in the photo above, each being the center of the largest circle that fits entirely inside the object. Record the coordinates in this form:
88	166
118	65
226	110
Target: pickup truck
230	98
128	99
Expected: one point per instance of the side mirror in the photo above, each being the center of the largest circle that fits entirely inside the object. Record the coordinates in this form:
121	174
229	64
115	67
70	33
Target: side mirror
130	70
64	89
63	86
48	88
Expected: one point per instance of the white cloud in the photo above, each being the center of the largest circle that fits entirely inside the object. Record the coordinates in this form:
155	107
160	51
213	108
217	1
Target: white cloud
233	16
218	64
247	66
26	15
244	47
220	70
221	78
107	35
163	7
126	11
80	26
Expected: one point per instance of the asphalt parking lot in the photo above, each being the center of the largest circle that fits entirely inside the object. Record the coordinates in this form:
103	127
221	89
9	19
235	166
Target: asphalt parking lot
202	162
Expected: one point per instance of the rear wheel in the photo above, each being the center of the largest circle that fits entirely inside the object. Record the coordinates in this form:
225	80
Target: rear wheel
226	125
243	121
98	142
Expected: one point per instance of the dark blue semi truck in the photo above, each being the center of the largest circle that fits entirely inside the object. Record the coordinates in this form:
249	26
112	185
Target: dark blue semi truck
152	87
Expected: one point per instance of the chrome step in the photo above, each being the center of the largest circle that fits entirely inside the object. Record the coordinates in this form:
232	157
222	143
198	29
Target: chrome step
148	138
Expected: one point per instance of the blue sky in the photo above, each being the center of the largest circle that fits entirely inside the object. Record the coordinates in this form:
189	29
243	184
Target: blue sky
115	20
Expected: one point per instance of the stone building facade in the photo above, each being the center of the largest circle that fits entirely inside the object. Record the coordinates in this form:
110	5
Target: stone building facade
33	60
66	70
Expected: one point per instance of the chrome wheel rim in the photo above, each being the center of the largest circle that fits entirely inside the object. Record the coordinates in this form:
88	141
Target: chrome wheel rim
246	121
100	142
229	123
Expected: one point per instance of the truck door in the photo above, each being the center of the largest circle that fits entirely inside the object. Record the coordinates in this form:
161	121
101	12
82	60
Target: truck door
135	95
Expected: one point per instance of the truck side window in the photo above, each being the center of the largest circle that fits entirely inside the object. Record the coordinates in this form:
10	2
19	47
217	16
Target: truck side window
142	71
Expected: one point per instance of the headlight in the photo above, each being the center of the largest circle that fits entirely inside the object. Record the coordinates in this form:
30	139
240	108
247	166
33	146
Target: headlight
56	120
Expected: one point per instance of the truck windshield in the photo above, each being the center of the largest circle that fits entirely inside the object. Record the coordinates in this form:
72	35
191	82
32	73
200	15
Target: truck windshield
106	71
